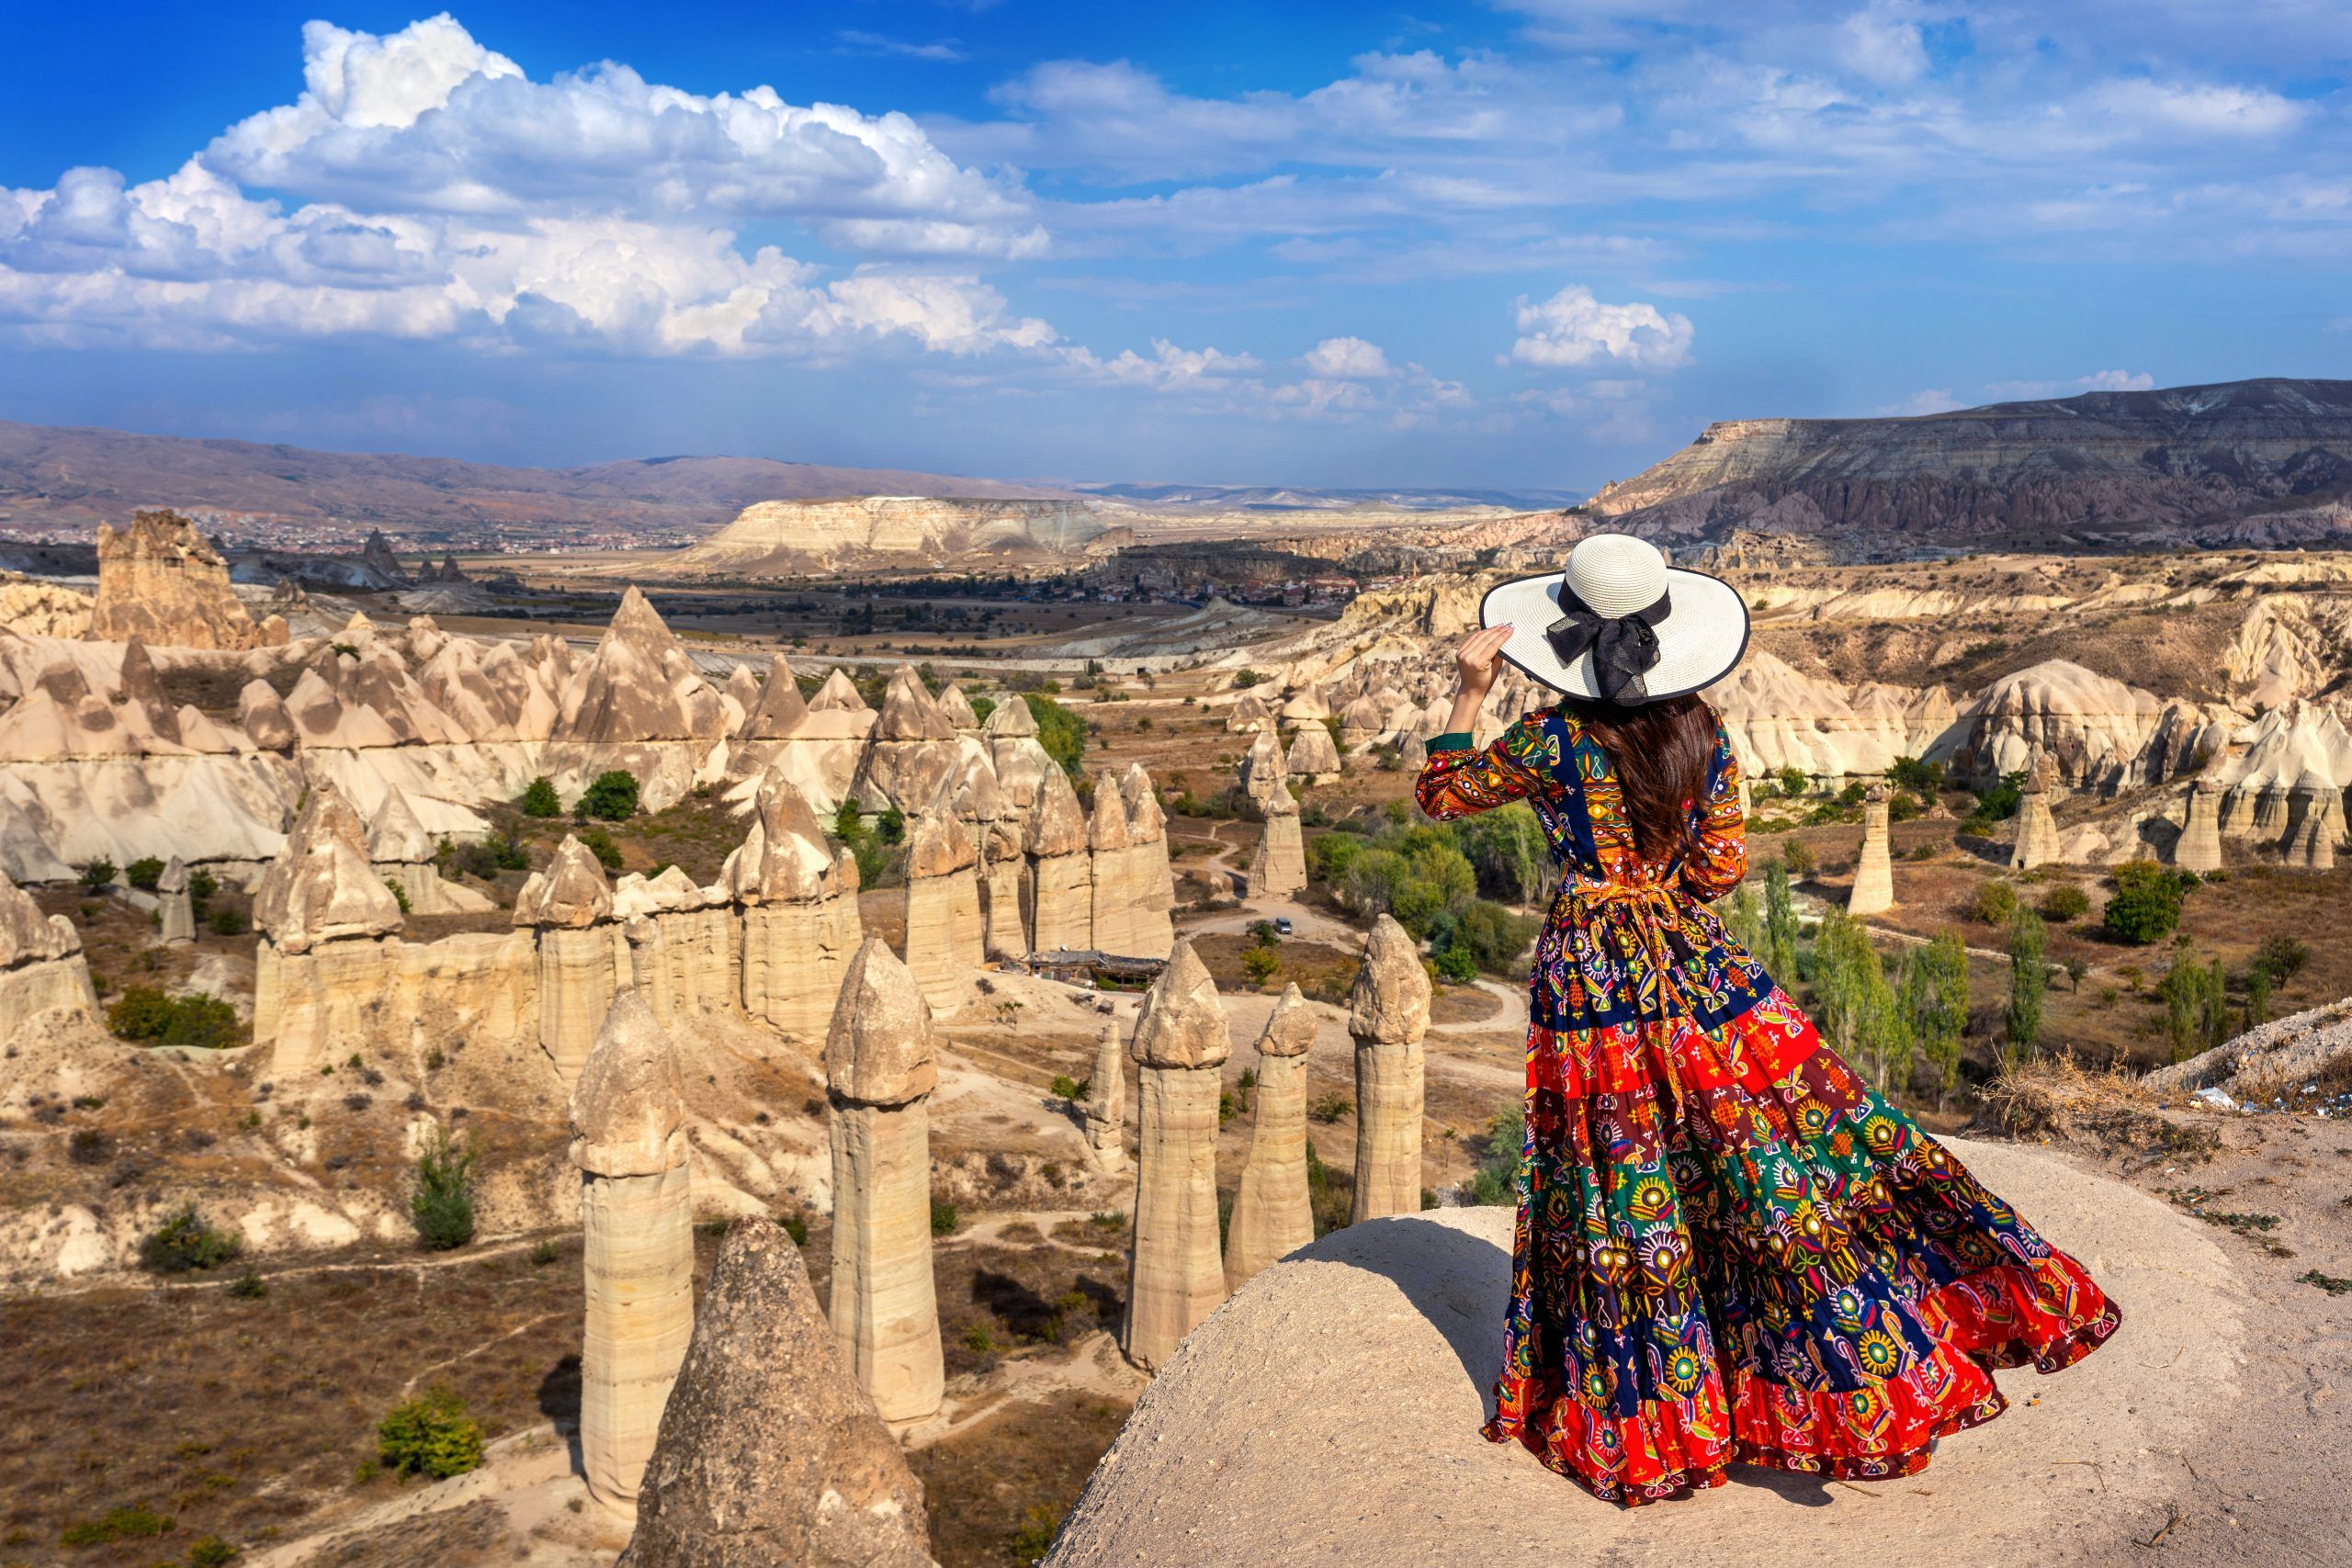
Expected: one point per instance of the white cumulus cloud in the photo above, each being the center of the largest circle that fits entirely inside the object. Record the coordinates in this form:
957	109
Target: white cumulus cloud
1574	329
1348	359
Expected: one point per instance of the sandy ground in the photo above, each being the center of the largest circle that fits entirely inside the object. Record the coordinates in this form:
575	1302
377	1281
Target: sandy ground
1328	1415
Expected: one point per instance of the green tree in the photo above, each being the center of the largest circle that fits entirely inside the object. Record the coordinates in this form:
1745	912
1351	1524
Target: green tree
143	873
1507	850
1909	772
1855	1006
613	798
1780	954
96	874
442	1202
2257	997
538	799
1260	963
2029	983
2184	989
1935	995
430	1434
2145	904
1744	917
1059	731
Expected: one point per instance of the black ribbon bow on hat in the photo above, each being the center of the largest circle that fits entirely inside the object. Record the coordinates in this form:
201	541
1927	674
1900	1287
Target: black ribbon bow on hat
1623	648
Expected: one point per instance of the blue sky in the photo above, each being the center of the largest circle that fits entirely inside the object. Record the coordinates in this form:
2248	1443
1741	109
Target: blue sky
1531	243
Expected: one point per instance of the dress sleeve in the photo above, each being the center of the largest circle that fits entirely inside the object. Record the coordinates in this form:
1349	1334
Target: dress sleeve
1718	856
1459	781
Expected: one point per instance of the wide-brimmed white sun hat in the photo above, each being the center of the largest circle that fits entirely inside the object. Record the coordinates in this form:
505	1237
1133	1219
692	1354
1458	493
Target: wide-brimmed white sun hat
1618	625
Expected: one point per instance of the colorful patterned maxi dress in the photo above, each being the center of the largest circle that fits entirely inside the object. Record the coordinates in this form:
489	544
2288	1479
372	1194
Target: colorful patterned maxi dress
1729	1248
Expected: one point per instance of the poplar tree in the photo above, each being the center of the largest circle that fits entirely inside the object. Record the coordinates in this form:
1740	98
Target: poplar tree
1934	996
1780	925
2029	982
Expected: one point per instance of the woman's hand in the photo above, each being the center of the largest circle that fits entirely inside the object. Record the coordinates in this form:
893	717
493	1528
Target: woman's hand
1475	666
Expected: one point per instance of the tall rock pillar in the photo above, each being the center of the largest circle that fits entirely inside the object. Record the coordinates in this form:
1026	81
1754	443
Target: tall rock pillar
1109	843
2037	828
945	938
1388	1011
1272	1215
628	1120
2200	846
1061	874
1278	869
799	903
1175	1278
880	1073
1874	875
175	913
569	907
1153	911
1106	1104
329	934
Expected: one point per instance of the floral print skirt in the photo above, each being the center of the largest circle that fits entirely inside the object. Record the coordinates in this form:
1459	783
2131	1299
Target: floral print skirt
1730	1248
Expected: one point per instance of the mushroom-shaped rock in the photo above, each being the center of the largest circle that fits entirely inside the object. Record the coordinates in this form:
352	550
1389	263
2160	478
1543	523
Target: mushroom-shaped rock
322	888
1873	890
567	907
1272	1214
1061	877
1388	1011
1176	1278
629	1140
785	858
1182	1024
770	1456
879	1050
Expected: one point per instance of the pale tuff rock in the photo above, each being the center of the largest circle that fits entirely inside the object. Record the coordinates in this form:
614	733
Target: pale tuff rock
639	684
161	580
1361	723
1873	872
800	912
945	944
817	748
42	967
2198	847
402	851
628	1121
2316	824
1263	770
1152	914
839	693
322	888
1106	1104
1272	1214
912	749
1779	719
1388	1011
880	1069
797	537
1176	1278
1020	761
1061	879
31	608
570	906
1278	868
1307	706
2037	841
682	941
1114	893
777	711
1249	713
1312	754
769	1455
957	708
2089	725
174	914
741	694
2283	1052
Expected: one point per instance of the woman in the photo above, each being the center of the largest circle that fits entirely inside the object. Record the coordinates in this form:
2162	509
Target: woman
1729	1248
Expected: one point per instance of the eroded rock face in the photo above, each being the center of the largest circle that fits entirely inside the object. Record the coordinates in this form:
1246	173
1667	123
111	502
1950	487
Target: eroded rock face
1278	866
943	925
1117	886
1388	1011
770	1456
1273	1215
637	1210
1873	872
569	907
161	580
1175	1276
2198	848
1106	1103
1264	771
880	1069
321	887
1151	916
42	967
638	685
1313	754
1061	874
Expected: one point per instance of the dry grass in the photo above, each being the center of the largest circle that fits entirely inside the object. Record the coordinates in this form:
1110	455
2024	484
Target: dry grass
2108	1111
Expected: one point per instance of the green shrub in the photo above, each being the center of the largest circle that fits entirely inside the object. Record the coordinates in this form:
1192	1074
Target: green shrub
598	843
399	893
430	1434
612	797
1794	781
249	1286
538	799
508	854
442	1202
2281	958
890	825
1328	1107
143	873
229	920
1067	1088
1036	1536
1998	804
1457	965
943	1217
1799	858
543	1252
2064	902
1059	731
1260	963
202	888
210	1552
2145	904
137	1522
1497	1179
1909	772
1245	679
187	1241
1993	903
141	1012
97	873
1263	933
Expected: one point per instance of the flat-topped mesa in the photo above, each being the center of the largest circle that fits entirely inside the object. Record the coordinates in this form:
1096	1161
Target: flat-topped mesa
1061	874
628	1123
1873	891
1278	868
799	920
161	581
1175	1277
2315	823
175	912
1313	754
1106	1103
769	1453
2198	848
1152	915
1272	1214
1115	888
42	967
569	907
1264	771
1388	1011
880	1069
911	749
945	935
326	919
1020	760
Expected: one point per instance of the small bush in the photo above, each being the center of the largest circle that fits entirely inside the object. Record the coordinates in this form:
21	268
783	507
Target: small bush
187	1241
1457	965
2064	902
97	873
538	799
443	1202
137	1522
979	1339
943	1217
87	1145
1260	963
249	1286
1036	1536
1799	858
543	1252
1992	904
209	1551
430	1434
598	843
612	797
2281	958
143	873
399	893
1328	1107
229	920
141	1012
202	888
796	1225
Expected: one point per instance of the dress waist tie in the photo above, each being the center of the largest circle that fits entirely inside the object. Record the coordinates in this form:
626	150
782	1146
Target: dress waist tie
1648	906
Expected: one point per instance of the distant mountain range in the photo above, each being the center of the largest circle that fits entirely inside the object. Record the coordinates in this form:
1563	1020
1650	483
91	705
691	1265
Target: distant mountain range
2260	463
78	476
1288	497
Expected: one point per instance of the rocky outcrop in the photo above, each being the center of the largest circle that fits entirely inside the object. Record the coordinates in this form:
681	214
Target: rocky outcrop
683	942
2198	848
911	751
2315	825
1873	890
1151	916
1114	877
1020	761
639	704
403	853
568	909
1388	1011
1273	1216
629	1124
175	912
770	1456
1313	755
42	967
29	608
799	902
1061	875
945	931
780	538
816	747
2268	1059
324	965
957	708
1175	1277
160	580
1264	771
1106	1104
1278	867
880	1069
2038	842
1361	723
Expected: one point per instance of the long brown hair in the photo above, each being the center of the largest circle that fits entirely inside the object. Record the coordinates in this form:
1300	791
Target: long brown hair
1660	753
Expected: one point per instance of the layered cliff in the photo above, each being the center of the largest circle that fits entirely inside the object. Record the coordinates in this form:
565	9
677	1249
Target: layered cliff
782	537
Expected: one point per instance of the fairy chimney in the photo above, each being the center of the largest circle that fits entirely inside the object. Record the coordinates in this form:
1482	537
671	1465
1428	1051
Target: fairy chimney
568	908
797	902
2037	828
2198	848
328	927
1061	875
1175	1277
945	935
1873	872
1106	1103
1278	868
176	915
1151	916
1388	1011
1115	888
1272	1215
